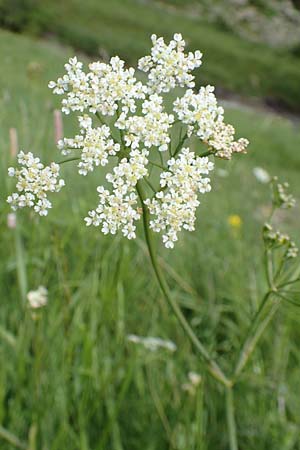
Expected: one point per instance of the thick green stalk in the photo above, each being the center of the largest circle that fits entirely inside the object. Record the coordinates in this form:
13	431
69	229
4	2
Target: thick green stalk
212	366
230	417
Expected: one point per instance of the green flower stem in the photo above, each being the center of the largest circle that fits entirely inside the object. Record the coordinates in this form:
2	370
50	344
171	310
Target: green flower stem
157	165
208	153
230	417
21	263
180	144
74	158
288	283
265	313
212	366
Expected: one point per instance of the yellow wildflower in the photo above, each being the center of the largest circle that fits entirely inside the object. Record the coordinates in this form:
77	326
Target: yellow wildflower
235	221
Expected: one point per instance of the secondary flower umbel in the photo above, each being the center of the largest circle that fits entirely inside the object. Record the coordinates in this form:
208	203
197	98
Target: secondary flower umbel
34	181
132	125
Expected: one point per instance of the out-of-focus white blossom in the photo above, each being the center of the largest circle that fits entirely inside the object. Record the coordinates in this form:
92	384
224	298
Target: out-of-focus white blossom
168	66
34	181
152	343
11	220
261	175
222	173
281	197
39	298
174	206
275	239
194	380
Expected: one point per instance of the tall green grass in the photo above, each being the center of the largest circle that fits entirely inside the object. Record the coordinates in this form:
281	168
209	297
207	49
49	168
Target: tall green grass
69	378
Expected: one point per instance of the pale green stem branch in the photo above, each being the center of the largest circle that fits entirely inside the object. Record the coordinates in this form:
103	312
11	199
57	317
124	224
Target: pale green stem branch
180	144
74	158
11	438
157	165
21	263
288	283
230	417
261	320
208	153
212	366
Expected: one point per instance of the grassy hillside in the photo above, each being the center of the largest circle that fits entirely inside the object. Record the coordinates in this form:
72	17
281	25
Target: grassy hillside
69	378
124	27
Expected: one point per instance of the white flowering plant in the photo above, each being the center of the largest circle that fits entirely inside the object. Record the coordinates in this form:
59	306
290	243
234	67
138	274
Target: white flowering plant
138	134
155	177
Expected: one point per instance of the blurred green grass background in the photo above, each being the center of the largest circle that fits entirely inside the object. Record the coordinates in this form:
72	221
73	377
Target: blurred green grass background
69	379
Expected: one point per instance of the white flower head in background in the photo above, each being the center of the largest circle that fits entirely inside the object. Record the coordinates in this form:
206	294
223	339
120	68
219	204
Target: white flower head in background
222	173
261	175
11	220
130	126
194	380
152	343
38	299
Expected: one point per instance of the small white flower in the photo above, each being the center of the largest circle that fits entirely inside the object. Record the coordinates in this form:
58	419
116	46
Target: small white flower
38	298
192	384
152	343
195	378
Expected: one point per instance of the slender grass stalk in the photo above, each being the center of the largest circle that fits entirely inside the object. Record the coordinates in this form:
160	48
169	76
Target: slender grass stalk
230	417
212	366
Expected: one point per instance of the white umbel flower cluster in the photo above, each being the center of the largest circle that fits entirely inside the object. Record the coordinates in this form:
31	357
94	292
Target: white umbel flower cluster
150	129
119	210
101	90
199	111
34	181
168	66
96	145
204	118
129	125
174	206
276	239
